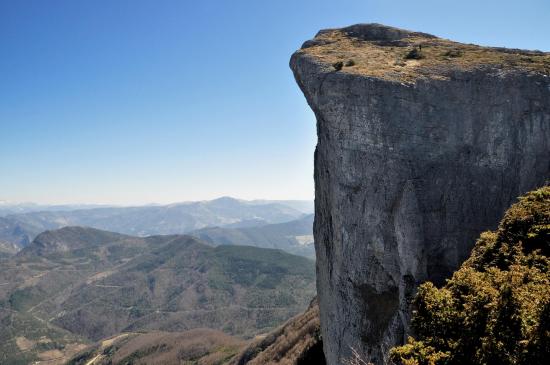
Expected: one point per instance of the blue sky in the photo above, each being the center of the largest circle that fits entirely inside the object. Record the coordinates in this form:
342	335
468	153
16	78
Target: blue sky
131	102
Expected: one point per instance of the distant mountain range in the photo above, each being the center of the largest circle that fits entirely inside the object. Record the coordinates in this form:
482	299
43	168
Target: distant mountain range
7	208
21	228
295	236
75	285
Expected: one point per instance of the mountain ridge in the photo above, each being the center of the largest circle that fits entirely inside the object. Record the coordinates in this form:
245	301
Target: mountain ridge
179	218
294	236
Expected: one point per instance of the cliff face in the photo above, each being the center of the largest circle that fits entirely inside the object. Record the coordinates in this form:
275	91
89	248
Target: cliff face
422	144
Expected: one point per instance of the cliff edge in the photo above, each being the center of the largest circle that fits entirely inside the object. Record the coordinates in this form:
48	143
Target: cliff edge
422	144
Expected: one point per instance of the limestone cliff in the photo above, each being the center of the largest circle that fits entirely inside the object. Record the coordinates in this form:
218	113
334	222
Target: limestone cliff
422	144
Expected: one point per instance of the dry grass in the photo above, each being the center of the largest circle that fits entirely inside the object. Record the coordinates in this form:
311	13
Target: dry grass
196	347
355	359
388	60
59	357
286	345
206	347
50	355
24	344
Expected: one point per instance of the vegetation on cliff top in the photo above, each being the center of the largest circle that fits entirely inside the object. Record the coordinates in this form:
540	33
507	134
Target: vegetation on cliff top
496	307
380	53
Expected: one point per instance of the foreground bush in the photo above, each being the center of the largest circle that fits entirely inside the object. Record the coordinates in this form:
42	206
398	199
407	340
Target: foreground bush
495	310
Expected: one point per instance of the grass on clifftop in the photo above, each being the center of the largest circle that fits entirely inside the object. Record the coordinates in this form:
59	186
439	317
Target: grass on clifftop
416	56
496	307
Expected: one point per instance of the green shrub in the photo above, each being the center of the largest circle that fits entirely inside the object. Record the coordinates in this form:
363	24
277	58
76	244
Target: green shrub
338	65
414	54
495	310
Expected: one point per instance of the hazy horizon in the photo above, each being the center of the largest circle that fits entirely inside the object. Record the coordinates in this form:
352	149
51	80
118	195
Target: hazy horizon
4	202
132	103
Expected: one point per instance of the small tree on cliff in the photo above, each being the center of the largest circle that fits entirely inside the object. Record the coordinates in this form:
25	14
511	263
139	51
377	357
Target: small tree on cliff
495	310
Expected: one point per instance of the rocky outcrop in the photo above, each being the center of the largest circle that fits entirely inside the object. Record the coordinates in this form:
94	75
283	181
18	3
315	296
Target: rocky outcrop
422	144
297	342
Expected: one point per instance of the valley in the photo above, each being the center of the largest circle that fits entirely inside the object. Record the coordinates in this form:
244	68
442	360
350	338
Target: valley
74	286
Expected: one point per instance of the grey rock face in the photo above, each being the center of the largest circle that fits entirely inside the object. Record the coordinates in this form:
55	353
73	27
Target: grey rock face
407	175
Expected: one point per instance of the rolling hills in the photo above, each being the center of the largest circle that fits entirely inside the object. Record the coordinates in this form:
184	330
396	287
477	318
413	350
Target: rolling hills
75	285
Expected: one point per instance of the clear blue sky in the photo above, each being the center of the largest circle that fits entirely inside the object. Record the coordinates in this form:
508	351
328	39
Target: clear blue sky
131	102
